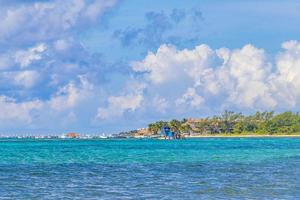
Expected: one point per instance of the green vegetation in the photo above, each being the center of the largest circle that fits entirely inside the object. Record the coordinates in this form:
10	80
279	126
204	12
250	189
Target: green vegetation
235	124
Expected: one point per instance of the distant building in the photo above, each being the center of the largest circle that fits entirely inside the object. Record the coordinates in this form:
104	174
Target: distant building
72	135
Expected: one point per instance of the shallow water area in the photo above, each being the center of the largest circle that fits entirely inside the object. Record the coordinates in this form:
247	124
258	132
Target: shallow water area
204	168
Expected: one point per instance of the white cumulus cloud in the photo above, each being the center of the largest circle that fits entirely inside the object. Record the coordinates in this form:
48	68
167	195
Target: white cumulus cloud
245	78
27	78
130	101
120	104
11	110
25	58
49	19
70	95
191	98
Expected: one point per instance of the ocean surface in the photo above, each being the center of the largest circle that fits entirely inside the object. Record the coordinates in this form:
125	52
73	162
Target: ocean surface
208	168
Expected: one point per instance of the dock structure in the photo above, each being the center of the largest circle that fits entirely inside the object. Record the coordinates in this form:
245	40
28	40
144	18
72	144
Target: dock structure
167	133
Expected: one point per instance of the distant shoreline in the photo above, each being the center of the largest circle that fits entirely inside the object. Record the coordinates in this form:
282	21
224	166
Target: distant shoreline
162	138
240	136
228	136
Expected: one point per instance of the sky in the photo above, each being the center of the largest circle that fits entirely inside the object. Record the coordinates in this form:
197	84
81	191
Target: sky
105	66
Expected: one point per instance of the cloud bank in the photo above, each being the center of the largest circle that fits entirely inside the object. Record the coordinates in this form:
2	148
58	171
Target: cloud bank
240	79
49	80
27	22
168	83
46	74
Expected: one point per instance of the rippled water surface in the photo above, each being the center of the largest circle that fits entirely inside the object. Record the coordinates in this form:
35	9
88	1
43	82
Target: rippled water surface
210	168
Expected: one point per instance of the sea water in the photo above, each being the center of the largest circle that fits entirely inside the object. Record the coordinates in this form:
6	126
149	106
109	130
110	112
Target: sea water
206	168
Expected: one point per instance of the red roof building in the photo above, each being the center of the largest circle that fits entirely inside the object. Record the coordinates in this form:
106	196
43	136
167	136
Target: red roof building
72	135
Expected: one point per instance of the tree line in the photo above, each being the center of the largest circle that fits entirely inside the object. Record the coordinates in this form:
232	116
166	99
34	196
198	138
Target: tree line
231	122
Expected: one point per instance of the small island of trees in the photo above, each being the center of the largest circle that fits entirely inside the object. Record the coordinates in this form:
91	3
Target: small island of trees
234	123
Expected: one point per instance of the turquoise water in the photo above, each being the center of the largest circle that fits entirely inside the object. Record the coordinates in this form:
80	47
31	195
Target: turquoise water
210	168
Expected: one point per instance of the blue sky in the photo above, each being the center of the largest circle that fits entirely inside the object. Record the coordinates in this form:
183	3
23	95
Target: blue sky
95	66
